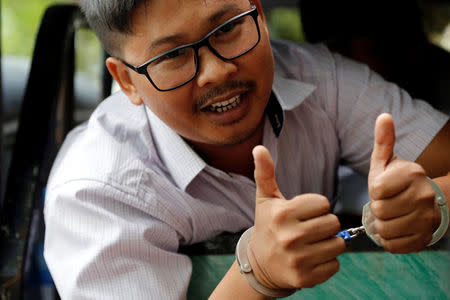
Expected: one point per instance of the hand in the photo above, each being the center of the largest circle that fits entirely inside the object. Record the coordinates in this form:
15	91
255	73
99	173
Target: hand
293	243
402	200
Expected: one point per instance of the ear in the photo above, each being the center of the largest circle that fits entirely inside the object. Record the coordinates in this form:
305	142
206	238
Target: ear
122	75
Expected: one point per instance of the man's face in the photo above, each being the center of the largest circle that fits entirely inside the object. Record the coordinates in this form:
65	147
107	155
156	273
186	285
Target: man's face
191	110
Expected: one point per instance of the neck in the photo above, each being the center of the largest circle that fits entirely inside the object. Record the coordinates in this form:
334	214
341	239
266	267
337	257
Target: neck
236	159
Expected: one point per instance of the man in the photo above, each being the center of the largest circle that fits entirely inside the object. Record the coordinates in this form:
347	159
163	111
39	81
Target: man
185	162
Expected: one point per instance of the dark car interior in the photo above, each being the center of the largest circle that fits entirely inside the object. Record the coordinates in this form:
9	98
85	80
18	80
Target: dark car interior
392	37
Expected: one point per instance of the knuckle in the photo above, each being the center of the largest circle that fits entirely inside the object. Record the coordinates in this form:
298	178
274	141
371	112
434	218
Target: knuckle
334	222
321	203
423	196
424	205
376	188
297	262
324	204
429	195
381	228
289	238
292	262
341	246
334	219
409	168
301	234
426	219
281	213
418	244
285	241
396	247
388	246
337	266
334	268
417	169
300	281
378	209
428	215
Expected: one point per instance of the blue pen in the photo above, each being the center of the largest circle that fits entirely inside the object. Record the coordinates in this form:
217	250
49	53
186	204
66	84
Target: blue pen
351	233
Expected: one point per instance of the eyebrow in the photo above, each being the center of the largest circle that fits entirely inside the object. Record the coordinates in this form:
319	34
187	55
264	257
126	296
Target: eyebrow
213	19
229	8
176	38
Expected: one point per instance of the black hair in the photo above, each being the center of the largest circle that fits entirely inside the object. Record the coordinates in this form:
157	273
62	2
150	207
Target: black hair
110	20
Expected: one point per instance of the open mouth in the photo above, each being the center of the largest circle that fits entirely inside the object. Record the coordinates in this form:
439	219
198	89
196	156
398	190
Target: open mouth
225	105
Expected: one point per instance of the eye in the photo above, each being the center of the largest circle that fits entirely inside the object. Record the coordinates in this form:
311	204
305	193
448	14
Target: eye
227	27
230	28
174	58
176	53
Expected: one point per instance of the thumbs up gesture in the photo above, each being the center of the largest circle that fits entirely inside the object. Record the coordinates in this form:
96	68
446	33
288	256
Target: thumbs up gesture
293	244
402	200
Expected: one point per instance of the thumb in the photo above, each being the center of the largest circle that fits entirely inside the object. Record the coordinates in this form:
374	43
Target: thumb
384	142
266	184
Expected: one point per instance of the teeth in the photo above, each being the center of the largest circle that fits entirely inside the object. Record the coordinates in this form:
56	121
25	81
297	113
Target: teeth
225	105
226	102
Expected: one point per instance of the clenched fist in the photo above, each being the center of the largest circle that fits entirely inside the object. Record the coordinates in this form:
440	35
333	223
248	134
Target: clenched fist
293	243
402	200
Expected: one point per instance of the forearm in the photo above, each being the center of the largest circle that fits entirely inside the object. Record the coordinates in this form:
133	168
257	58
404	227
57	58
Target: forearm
233	286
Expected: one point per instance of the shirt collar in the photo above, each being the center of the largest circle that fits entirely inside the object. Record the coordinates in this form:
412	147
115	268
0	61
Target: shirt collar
289	92
182	162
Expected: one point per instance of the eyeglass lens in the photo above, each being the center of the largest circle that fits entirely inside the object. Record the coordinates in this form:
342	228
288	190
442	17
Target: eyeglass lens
180	65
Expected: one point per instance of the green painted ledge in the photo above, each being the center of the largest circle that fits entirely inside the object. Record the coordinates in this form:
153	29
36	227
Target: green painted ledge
363	275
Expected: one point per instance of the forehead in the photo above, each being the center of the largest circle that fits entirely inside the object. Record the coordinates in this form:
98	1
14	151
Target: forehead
188	19
166	7
161	13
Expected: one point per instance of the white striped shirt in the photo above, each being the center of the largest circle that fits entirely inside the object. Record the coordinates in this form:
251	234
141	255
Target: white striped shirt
126	191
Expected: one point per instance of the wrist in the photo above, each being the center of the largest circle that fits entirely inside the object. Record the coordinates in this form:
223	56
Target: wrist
246	269
259	273
441	202
437	216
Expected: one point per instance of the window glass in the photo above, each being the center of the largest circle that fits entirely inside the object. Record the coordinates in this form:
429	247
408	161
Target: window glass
283	19
436	18
285	23
20	24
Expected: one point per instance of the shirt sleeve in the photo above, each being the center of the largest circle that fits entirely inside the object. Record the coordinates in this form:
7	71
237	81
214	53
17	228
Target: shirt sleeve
360	96
98	246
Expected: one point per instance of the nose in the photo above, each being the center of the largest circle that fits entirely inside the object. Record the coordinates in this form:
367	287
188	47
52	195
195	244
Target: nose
212	69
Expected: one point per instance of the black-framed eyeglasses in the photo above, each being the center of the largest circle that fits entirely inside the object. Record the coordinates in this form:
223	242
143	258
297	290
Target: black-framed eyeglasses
176	67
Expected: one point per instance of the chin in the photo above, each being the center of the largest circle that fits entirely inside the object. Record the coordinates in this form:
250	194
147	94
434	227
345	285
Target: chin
241	137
